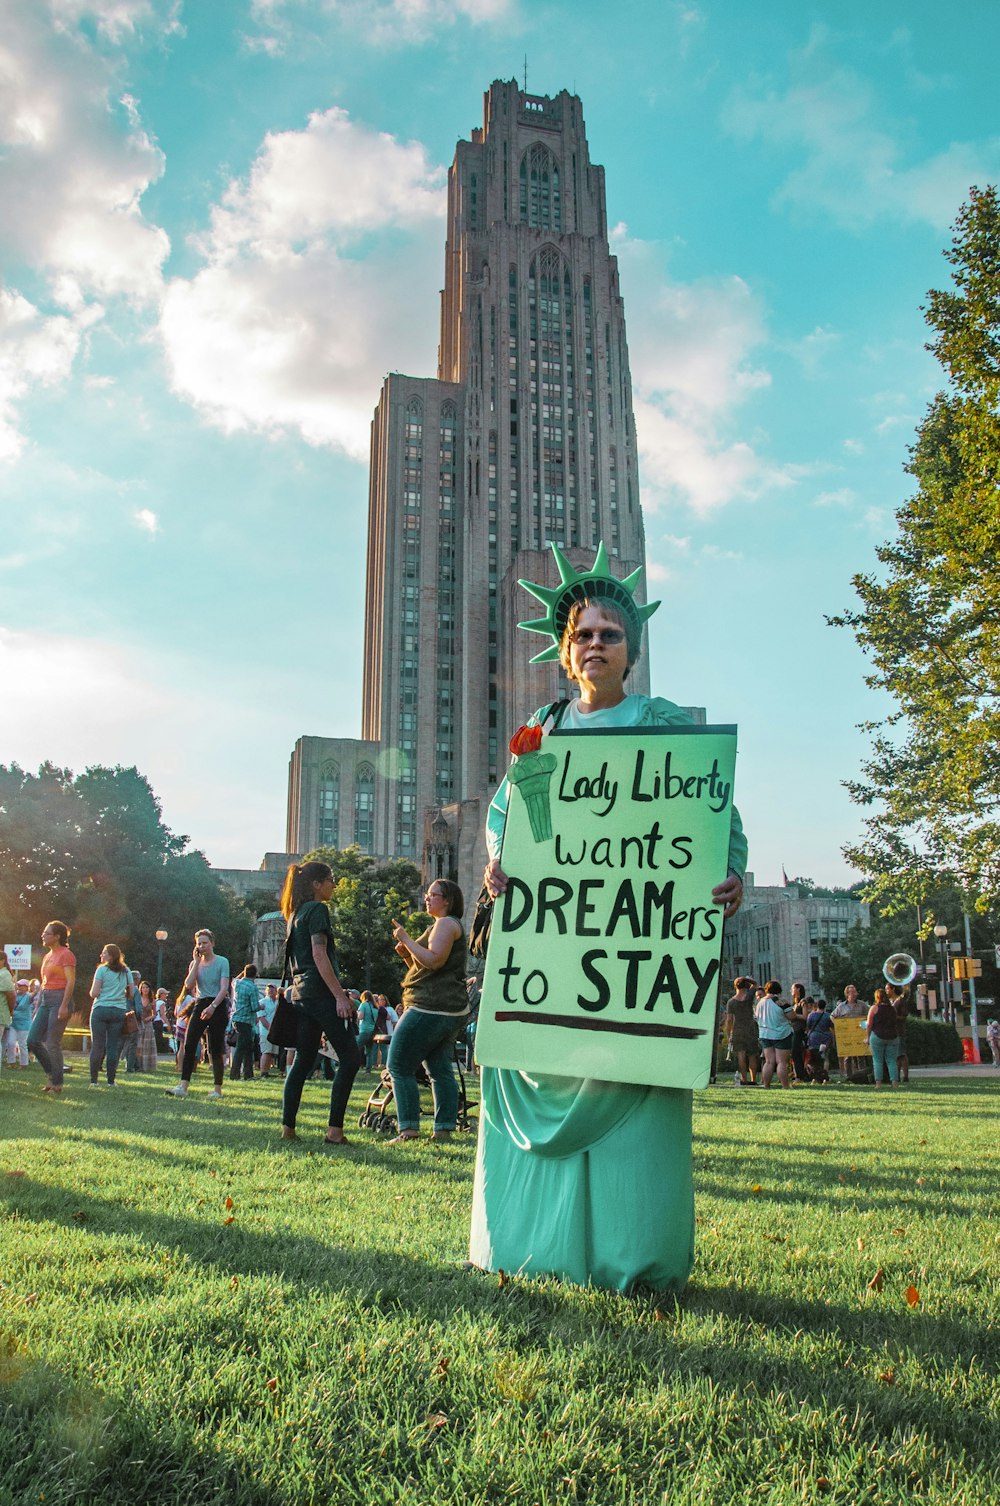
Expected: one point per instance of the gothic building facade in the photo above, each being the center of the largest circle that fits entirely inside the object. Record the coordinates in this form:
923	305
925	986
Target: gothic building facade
526	437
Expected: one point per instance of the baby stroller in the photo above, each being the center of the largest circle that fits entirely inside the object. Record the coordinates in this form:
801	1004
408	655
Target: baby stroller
378	1111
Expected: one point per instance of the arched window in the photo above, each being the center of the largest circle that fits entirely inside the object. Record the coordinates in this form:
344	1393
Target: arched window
329	805
364	807
541	205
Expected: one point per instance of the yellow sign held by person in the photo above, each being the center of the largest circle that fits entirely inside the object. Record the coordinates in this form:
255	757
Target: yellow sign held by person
605	949
852	1038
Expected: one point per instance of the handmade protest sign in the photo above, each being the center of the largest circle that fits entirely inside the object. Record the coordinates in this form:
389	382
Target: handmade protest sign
605	948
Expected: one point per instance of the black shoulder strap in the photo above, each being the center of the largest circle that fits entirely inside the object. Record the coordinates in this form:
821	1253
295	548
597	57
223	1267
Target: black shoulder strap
556	711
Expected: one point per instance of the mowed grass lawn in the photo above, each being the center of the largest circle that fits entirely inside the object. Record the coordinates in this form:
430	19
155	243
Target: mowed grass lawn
193	1311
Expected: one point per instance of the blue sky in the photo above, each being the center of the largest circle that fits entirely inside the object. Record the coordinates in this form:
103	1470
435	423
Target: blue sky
222	223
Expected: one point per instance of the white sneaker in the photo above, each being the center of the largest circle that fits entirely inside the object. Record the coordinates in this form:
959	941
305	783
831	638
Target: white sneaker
215	1093
179	1092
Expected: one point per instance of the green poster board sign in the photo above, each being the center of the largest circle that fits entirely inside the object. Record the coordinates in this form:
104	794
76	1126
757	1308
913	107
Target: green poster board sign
605	949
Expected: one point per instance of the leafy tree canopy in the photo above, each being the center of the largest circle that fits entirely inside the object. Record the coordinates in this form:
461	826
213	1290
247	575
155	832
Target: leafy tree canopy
809	890
858	959
369	896
92	850
930	621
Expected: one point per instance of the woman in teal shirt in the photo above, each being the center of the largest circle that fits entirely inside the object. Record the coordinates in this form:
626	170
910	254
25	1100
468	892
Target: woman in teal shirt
112	991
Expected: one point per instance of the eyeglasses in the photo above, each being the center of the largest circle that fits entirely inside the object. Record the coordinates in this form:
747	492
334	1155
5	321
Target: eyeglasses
434	894
609	636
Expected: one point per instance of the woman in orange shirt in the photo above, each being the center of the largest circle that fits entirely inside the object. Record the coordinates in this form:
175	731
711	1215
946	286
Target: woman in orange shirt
55	1004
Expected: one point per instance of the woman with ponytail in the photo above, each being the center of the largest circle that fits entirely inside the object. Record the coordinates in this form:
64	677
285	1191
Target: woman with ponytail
322	1007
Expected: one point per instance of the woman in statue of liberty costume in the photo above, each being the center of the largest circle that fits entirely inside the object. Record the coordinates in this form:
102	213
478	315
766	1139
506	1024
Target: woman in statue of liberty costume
586	1180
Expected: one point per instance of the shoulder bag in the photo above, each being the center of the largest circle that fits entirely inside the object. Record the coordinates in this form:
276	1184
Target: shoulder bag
283	1030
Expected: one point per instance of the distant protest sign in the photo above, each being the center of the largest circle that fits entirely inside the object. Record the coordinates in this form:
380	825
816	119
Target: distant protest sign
605	949
18	956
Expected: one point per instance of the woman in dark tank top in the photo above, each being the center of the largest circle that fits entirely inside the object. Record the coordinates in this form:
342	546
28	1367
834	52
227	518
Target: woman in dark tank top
436	1004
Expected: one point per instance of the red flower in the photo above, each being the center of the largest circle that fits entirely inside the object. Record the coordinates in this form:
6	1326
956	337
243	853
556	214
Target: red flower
526	740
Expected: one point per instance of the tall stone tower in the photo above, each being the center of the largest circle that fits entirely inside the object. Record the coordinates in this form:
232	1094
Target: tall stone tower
526	437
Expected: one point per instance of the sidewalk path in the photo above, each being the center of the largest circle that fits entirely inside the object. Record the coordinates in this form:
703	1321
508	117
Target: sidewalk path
959	1069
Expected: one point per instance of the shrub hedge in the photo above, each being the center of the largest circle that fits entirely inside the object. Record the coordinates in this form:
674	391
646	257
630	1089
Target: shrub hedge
930	1043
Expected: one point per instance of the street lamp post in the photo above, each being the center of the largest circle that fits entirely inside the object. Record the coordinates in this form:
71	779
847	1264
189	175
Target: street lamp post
941	932
161	937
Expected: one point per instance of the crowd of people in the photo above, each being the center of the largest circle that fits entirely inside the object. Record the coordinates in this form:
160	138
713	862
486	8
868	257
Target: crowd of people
795	1039
227	1022
588	1180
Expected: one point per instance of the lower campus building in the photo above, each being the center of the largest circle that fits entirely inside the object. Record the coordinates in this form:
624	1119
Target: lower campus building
778	931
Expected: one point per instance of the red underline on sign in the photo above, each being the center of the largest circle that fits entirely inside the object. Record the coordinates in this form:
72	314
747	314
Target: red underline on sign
612	1027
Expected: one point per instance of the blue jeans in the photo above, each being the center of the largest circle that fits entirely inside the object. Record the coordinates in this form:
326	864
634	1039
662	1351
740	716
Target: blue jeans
317	1017
884	1054
46	1033
105	1039
428	1038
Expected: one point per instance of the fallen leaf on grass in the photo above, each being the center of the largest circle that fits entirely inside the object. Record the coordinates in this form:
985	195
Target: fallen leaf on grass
888	1377
31	1299
17	1173
822	1483
81	1217
861	1243
921	1142
502	1278
231	1219
660	1315
437	1420
272	1384
841	1177
228	1203
756	1187
878	1281
912	1296
441	1368
921	1181
234	1282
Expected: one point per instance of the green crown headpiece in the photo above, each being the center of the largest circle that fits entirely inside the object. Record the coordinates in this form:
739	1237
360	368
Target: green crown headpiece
576	586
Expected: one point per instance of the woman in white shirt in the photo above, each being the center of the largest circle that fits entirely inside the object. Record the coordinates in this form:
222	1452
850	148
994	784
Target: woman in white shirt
777	1038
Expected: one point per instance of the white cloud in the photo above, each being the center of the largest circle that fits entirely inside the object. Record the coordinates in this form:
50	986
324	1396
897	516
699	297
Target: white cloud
35	351
147	519
844	496
116	20
285	328
74	164
812	350
851	165
75	160
691	361
381	23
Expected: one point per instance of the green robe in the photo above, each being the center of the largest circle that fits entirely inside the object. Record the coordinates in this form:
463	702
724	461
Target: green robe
590	1181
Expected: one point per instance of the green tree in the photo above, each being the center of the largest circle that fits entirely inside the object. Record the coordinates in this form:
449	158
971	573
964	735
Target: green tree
860	956
930	622
93	850
369	896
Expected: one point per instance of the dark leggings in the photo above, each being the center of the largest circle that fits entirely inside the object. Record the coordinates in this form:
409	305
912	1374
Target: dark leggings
242	1062
215	1027
317	1018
